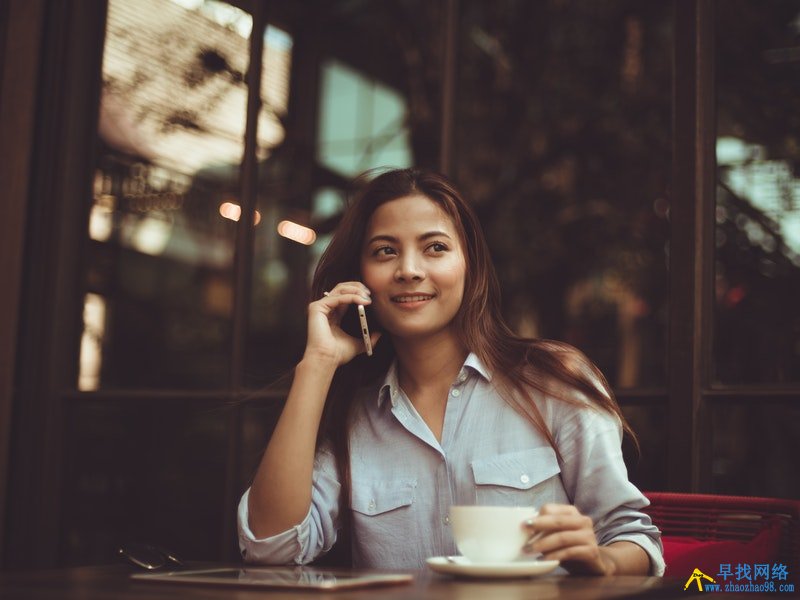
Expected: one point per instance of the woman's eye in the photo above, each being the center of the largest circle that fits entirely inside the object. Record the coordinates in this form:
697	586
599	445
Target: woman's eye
438	247
383	251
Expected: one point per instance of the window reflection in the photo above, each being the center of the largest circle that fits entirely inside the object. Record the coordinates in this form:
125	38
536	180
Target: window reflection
171	138
757	316
173	84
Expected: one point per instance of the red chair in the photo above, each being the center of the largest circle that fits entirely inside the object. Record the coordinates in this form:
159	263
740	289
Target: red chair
705	531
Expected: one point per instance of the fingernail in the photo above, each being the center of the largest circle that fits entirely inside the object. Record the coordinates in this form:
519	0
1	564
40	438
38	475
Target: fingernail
529	522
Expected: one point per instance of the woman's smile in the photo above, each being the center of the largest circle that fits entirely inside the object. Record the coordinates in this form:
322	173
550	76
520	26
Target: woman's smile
411	301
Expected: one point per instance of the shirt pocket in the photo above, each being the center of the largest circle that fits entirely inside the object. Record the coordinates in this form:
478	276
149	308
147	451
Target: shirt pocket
383	508
522	478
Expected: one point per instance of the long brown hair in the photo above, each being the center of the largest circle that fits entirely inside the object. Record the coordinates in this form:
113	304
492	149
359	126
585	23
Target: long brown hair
518	365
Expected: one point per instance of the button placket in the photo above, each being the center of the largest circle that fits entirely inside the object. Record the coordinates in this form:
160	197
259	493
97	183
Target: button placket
455	390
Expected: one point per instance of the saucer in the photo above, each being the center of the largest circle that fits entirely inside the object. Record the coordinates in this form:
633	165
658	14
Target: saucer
459	565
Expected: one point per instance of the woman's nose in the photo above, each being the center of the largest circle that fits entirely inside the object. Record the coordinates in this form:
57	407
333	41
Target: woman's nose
409	270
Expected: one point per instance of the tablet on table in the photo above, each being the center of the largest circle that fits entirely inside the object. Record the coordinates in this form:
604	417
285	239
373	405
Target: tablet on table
279	577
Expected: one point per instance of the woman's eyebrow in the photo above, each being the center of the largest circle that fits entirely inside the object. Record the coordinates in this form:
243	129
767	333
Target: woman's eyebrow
394	240
382	238
431	234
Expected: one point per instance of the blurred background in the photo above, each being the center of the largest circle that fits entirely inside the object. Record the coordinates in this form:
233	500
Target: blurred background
172	170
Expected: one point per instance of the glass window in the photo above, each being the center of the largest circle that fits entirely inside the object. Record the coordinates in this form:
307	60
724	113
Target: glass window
562	139
160	254
362	122
755	448
757	277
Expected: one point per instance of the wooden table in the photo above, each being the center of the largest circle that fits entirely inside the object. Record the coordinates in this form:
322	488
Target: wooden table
113	582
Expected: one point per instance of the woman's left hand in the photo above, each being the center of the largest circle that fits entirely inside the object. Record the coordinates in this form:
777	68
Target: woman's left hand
561	532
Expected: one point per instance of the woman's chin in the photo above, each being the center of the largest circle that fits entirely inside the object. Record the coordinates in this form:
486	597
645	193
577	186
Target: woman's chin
410	333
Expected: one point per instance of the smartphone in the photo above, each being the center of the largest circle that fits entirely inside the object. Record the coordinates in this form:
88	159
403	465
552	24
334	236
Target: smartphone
362	317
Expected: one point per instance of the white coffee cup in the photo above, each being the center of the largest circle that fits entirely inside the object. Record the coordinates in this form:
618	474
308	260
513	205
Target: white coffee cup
490	533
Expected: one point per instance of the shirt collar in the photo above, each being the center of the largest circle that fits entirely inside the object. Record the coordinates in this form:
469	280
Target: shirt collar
390	388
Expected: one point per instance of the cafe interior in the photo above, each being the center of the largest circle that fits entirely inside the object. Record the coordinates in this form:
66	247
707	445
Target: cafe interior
173	169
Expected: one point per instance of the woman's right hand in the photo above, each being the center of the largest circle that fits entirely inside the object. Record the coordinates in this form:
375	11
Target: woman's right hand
326	339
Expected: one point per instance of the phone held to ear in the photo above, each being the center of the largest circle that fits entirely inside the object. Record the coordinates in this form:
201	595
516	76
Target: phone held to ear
362	317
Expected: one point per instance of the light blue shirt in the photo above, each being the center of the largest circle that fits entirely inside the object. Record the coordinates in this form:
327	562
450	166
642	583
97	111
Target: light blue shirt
404	480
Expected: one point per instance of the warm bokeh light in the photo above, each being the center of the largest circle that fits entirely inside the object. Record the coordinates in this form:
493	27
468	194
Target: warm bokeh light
297	233
232	211
91	353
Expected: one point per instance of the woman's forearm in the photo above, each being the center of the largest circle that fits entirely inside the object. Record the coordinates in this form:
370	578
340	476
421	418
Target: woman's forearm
625	558
280	495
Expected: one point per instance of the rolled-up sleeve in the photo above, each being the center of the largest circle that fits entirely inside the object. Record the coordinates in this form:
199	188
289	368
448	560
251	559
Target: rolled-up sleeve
596	480
304	542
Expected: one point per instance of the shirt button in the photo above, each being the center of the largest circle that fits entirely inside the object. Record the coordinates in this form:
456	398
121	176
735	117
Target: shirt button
462	376
446	520
456	393
524	479
372	504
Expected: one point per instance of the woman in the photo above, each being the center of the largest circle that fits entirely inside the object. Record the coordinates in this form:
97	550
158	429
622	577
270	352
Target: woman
453	408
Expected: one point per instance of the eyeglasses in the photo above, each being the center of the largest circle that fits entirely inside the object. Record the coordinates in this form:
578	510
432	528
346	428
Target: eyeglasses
148	556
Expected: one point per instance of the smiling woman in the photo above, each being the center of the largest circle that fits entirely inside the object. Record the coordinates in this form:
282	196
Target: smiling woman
478	414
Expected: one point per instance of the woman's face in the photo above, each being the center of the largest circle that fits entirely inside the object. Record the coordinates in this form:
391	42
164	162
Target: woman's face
413	263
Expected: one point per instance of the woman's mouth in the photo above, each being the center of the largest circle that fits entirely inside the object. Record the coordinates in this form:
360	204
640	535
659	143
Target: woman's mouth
409	298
